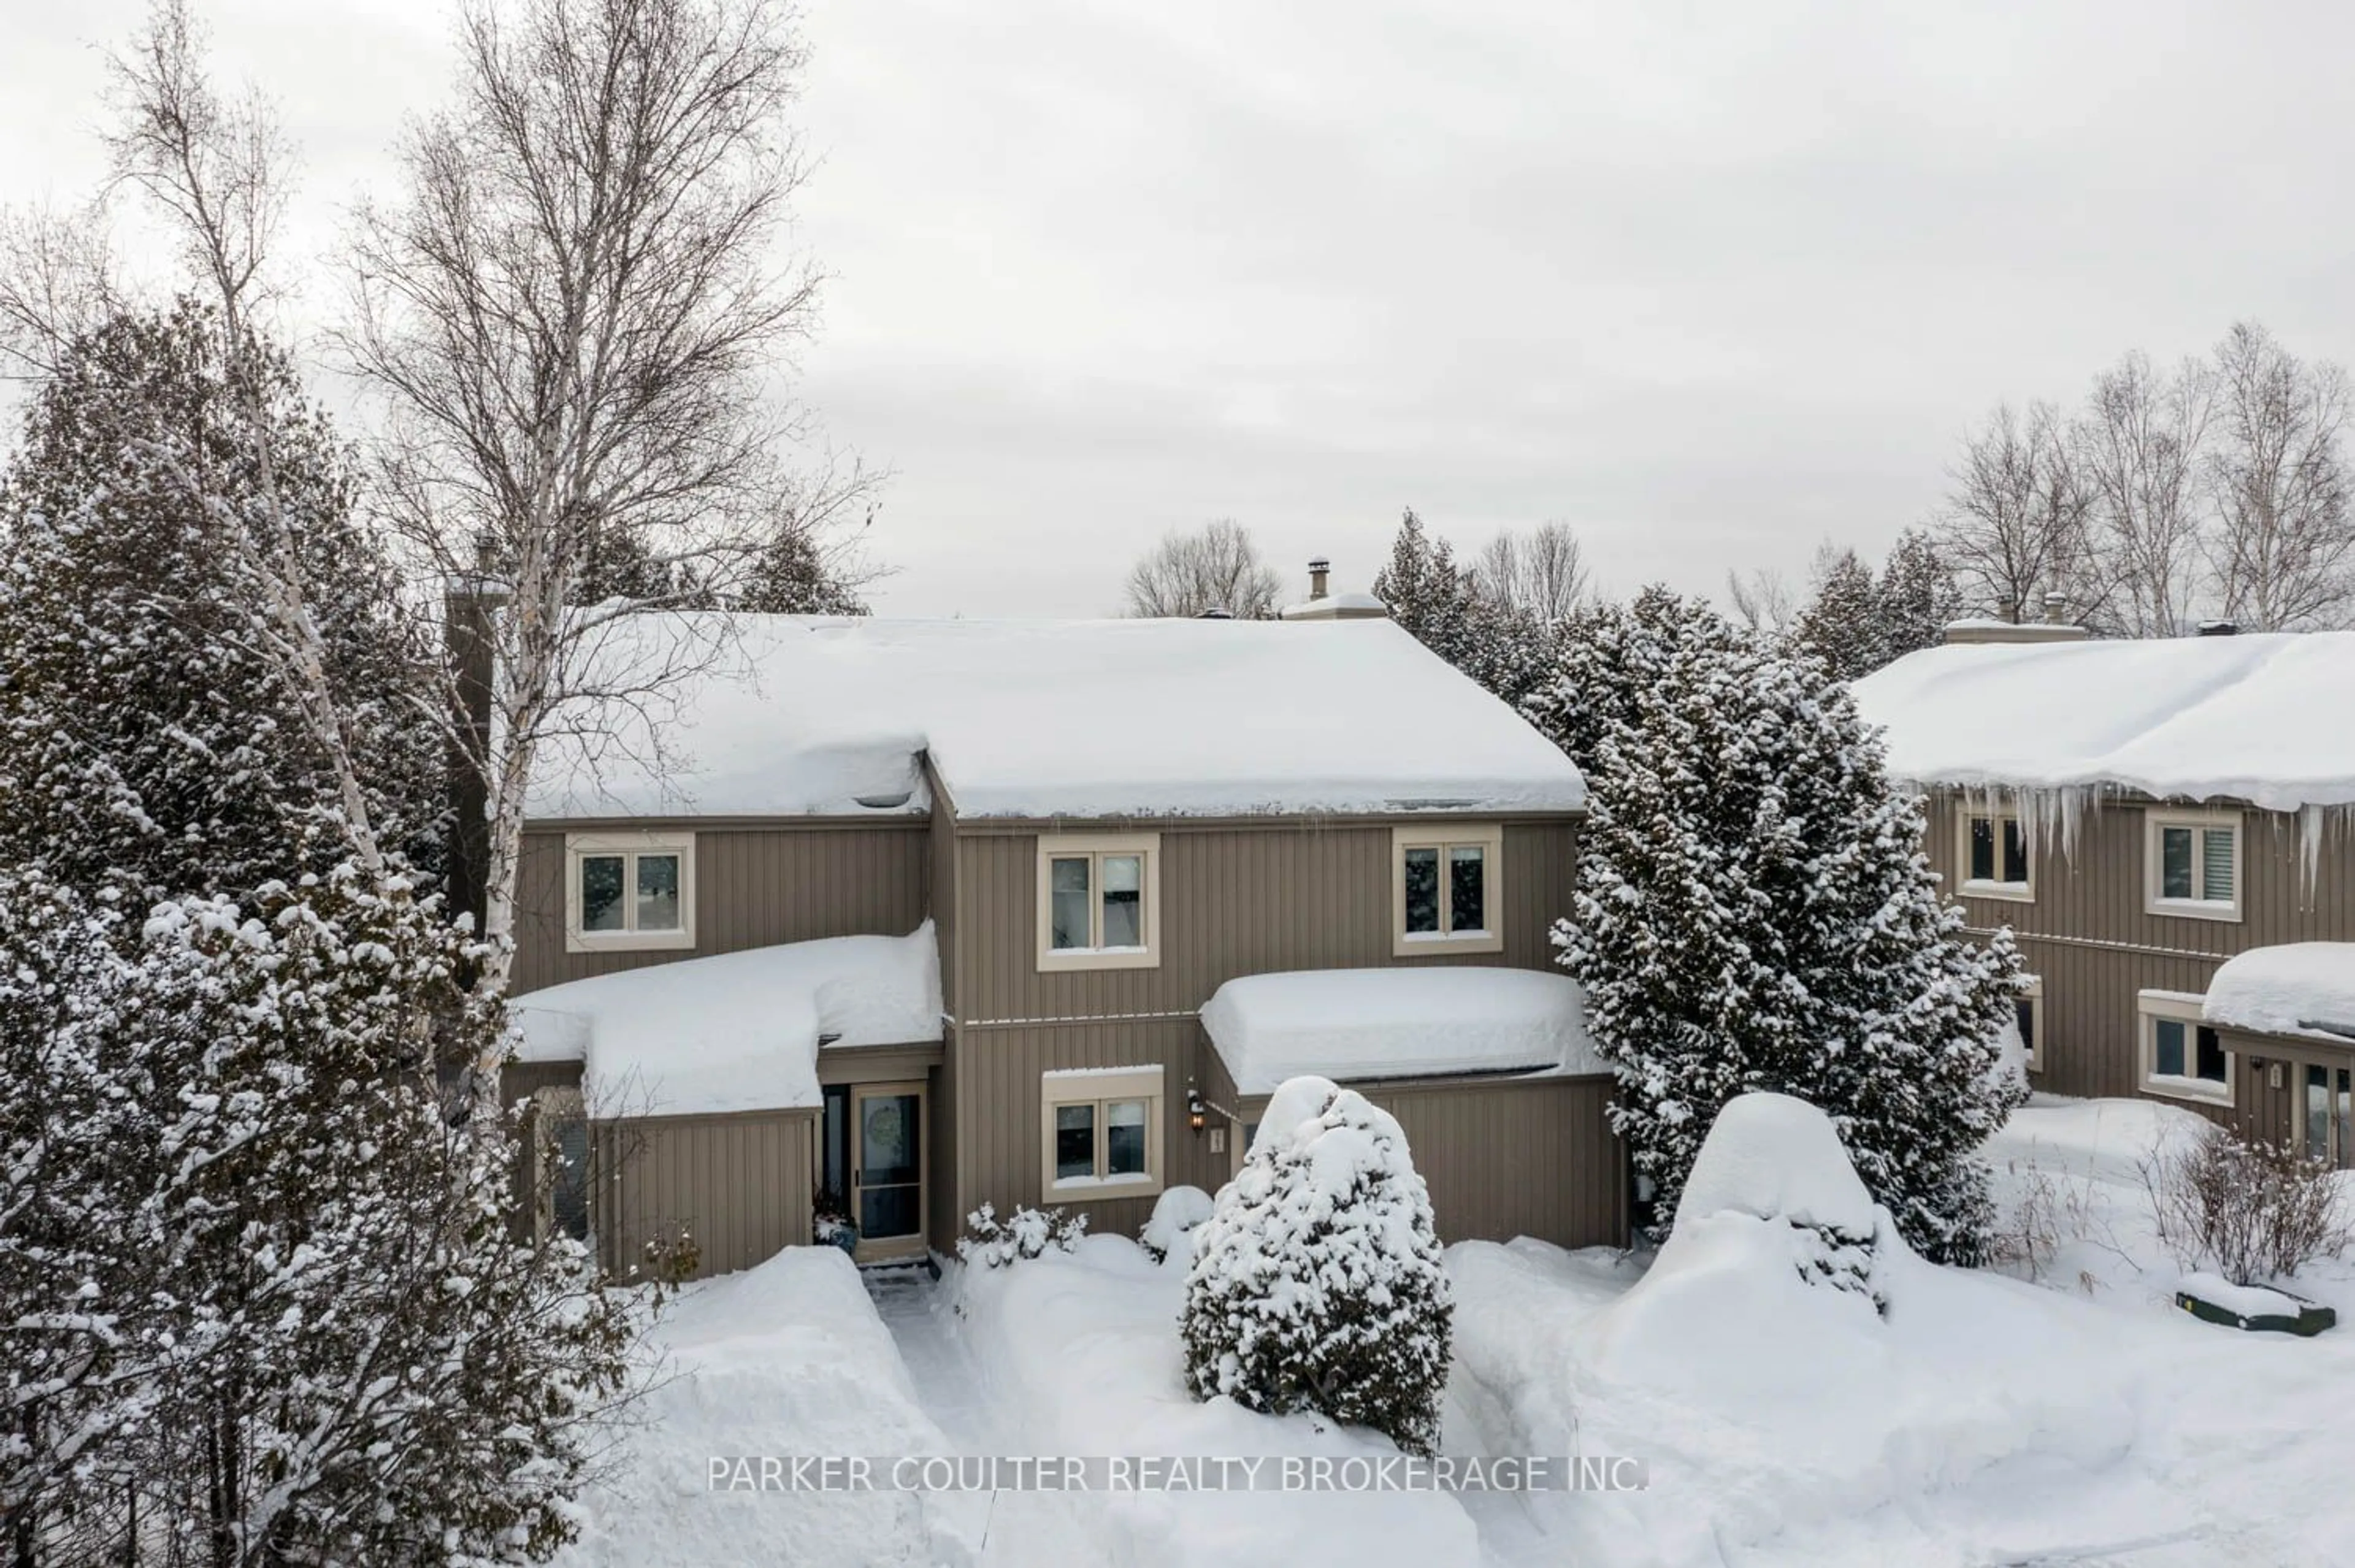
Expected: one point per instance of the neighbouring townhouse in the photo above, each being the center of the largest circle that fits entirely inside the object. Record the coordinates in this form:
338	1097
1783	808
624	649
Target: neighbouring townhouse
2146	817
886	920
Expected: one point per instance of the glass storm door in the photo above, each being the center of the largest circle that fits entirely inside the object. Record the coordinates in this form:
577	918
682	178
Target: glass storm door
887	1156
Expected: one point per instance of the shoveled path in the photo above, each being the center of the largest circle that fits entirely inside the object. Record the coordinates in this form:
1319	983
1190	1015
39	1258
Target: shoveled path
1002	1529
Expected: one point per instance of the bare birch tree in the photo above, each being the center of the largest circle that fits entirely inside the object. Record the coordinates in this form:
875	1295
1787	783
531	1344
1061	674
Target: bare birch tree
572	315
2014	528
216	169
2138	451
2284	544
1542	572
1214	567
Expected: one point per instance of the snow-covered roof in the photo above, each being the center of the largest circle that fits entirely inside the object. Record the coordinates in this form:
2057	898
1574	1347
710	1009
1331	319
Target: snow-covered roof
735	1031
2287	989
1073	719
1397	1023
2243	717
1333	606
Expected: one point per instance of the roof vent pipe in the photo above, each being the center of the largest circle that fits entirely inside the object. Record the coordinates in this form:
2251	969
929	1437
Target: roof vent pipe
1318	568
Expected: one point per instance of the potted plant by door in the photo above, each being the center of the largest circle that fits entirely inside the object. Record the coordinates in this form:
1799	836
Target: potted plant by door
831	1222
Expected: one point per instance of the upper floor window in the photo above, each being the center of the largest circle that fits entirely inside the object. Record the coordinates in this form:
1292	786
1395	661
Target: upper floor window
1994	855
1446	889
2181	1056
2192	864
1098	900
628	892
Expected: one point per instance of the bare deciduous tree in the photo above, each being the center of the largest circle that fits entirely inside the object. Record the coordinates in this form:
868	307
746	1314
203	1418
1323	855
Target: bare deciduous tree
1214	567
571	317
1764	601
1542	572
57	283
2285	545
2015	523
2137	452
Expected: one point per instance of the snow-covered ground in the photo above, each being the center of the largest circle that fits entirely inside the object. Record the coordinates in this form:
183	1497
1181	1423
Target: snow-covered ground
2054	1410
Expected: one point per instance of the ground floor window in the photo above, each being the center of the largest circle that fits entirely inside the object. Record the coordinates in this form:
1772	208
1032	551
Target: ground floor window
2029	1009
560	1140
1102	1130
2181	1056
2328	1115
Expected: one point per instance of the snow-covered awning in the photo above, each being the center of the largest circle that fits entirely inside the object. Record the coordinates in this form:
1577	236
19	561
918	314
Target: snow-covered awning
2294	989
1361	1024
2239	718
737	1031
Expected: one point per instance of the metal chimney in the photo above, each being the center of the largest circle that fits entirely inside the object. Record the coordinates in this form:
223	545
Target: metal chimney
1317	571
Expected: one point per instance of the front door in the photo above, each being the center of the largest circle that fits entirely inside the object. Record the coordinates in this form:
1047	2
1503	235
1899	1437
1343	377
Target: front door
887	1170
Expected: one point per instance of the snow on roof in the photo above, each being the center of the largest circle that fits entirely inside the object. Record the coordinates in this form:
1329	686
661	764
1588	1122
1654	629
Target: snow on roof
2287	989
1397	1023
737	1031
1074	718
1333	605
2192	718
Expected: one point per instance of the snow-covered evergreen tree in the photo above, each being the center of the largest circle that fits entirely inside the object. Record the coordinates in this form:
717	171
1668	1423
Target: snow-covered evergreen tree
1754	912
1919	596
259	1299
1842	624
1507	649
147	740
1316	1281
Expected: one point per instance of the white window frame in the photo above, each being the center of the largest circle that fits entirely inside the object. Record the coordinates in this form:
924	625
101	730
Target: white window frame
1053	847
1489	838
578	846
1994	887
2034	995
2154	822
1100	1087
2184	1007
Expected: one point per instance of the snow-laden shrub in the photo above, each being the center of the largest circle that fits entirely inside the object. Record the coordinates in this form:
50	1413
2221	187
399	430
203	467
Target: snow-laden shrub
1316	1281
1175	1215
2250	1211
1026	1233
1778	1160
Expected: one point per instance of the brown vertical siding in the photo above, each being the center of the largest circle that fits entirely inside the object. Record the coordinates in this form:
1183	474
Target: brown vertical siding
754	886
1000	1143
2088	937
1236	901
1522	1158
942	1219
741	1184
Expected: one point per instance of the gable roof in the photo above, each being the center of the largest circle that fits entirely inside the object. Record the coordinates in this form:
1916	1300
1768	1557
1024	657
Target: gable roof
1045	719
2255	718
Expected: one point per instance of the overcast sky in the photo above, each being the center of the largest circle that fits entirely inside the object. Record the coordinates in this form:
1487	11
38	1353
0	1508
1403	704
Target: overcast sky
1709	283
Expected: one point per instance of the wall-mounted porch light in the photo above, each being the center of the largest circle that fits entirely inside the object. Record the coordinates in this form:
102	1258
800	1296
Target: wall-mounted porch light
1197	1113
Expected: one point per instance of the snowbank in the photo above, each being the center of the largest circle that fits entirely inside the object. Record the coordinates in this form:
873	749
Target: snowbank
1776	1157
2192	718
1076	718
2287	989
786	1359
1082	1350
1397	1023
735	1031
